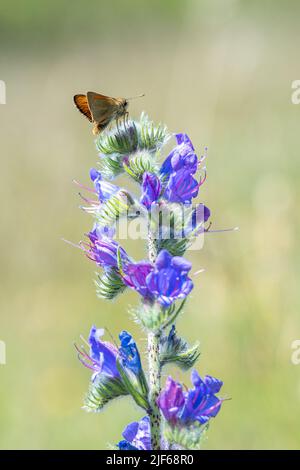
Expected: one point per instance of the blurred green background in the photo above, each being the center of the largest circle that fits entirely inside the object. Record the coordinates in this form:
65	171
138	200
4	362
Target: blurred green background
220	70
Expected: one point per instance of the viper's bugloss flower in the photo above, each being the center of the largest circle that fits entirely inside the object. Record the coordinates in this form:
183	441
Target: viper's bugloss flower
181	157
177	170
165	281
199	216
171	400
181	408
102	357
135	276
103	250
181	187
102	231
201	213
136	436
169	279
151	189
103	189
201	402
129	354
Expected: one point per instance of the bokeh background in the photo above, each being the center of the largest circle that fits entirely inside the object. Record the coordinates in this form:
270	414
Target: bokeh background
220	70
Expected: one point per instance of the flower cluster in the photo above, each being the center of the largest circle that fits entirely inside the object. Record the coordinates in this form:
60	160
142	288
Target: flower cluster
103	355
174	415
181	408
136	436
164	281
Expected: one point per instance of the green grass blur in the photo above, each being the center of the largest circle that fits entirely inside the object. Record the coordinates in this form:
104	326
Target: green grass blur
220	71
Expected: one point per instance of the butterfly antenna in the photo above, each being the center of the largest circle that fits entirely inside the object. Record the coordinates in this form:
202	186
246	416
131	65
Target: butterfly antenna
134	97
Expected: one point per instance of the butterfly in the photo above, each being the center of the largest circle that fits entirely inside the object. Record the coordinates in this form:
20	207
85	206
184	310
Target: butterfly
101	110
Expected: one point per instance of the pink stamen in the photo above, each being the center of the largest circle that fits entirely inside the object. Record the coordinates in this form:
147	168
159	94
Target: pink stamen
198	272
89	201
84	187
72	244
233	229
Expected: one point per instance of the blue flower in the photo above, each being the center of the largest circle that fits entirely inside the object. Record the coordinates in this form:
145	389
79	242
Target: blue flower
201	403
182	408
102	357
151	187
129	354
103	250
171	400
103	189
182	157
135	276
181	187
165	281
169	279
177	170
102	231
199	216
125	445
136	436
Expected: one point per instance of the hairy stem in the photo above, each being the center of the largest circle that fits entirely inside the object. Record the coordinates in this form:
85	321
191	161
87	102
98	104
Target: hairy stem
154	366
154	387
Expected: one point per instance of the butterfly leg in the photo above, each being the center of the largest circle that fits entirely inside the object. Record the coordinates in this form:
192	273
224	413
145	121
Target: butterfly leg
126	116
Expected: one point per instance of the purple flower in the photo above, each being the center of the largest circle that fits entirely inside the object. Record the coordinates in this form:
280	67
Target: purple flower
198	404
135	275
102	357
169	279
182	157
129	354
136	436
103	189
201	402
166	281
104	251
181	187
200	215
171	400
177	171
151	187
102	231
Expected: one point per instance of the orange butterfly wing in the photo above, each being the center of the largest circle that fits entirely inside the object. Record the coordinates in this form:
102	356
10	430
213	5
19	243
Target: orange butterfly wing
82	105
103	109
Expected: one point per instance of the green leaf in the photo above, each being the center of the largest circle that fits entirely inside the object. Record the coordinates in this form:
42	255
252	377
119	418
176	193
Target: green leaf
175	246
115	207
135	385
111	166
151	137
109	285
120	140
130	136
152	316
139	163
101	391
189	438
176	350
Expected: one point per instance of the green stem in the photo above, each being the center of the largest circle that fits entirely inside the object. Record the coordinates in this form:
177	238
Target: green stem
154	387
154	366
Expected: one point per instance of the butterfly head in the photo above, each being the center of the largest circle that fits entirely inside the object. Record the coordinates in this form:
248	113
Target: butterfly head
123	105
